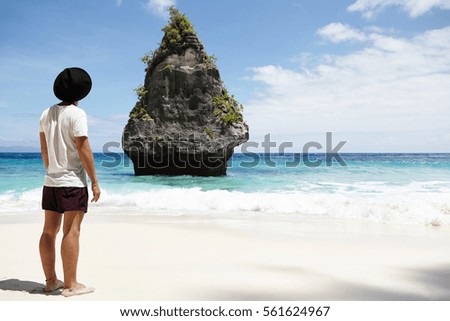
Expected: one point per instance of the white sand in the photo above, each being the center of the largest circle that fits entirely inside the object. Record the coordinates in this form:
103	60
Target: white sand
166	257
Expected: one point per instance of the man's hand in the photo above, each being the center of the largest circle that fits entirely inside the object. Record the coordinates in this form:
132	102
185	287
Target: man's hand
96	191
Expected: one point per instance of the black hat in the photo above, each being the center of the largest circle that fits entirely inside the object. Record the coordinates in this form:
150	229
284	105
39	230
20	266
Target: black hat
72	84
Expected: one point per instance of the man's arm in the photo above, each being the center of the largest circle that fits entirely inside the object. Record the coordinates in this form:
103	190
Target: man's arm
44	151
87	159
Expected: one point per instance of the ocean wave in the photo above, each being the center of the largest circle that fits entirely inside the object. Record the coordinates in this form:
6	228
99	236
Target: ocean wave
13	201
431	208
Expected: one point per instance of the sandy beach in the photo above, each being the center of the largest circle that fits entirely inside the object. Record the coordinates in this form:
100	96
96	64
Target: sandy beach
241	257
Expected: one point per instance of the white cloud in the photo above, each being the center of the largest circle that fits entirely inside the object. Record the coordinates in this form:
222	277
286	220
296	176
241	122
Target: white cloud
415	8
160	7
338	32
391	87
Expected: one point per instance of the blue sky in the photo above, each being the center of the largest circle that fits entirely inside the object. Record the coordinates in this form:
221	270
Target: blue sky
376	73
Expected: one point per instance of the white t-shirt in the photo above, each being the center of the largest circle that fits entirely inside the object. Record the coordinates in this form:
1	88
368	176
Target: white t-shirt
61	124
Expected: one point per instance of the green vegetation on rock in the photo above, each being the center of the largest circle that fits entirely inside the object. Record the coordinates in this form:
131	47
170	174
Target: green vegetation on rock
148	58
141	92
227	109
210	61
177	30
169	67
140	109
139	112
210	133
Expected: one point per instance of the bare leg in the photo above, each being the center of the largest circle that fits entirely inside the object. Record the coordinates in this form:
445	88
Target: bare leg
70	247
47	248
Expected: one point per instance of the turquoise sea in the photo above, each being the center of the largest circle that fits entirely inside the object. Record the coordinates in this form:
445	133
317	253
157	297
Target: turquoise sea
386	188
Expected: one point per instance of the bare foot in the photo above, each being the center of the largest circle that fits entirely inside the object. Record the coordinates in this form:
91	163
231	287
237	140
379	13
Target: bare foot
51	287
79	289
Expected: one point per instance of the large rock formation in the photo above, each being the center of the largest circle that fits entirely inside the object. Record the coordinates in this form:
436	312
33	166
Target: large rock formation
185	122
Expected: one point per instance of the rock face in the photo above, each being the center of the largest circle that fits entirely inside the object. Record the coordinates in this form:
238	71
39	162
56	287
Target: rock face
185	122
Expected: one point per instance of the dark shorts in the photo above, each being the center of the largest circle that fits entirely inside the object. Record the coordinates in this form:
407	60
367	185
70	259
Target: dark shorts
62	199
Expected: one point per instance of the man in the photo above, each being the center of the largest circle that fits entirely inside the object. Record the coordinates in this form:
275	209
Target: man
67	157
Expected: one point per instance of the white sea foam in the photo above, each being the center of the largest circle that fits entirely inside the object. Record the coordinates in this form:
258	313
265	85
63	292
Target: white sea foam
13	201
397	204
429	208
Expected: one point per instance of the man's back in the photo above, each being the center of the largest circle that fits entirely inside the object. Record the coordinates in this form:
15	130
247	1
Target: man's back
61	124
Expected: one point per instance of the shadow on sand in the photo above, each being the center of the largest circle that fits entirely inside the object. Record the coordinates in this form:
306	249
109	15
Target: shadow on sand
25	286
431	284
